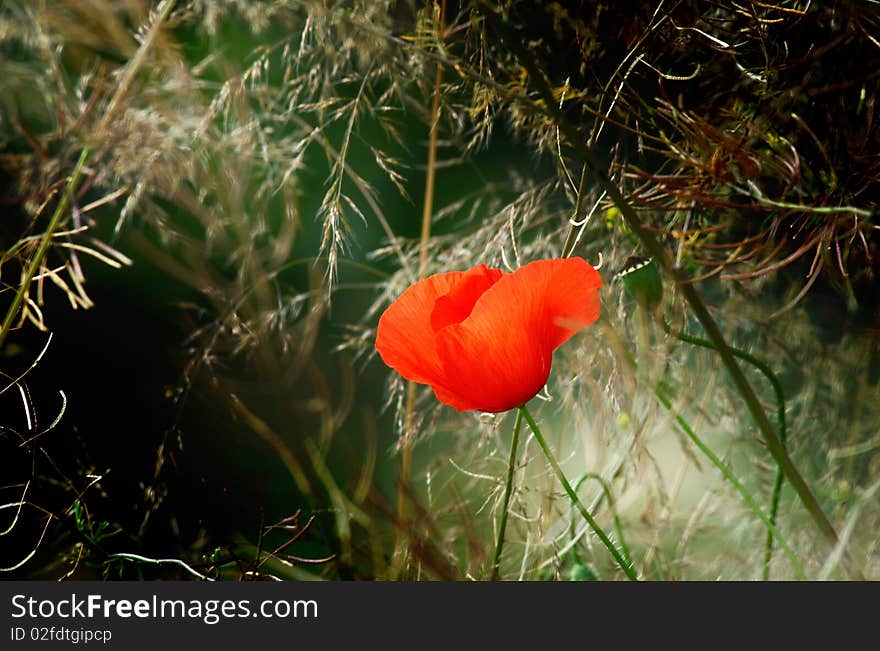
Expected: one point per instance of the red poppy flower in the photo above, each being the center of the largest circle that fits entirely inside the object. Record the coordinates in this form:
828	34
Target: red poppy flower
484	339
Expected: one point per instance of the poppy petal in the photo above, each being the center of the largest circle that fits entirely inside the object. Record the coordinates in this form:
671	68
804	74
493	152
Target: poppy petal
490	370
455	400
456	305
499	356
405	338
571	299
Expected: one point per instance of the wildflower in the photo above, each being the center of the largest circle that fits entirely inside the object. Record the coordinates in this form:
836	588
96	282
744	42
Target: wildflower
484	339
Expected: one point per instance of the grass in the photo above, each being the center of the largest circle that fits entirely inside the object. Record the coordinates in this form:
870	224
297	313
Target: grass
281	171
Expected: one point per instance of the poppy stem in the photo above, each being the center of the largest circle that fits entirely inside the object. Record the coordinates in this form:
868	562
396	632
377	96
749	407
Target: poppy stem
627	567
508	489
618	529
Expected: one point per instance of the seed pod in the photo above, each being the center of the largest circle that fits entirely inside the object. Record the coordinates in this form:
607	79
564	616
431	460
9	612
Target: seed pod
641	279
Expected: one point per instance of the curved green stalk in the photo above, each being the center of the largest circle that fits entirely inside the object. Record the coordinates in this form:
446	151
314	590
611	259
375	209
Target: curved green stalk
618	529
774	510
770	522
781	425
508	487
627	567
740	488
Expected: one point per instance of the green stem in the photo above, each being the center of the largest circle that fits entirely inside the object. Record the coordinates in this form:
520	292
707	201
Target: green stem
624	549
43	247
508	487
654	249
772	531
740	488
621	561
115	102
774	510
568	246
781	427
774	445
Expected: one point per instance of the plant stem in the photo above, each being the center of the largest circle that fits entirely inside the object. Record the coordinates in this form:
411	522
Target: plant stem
427	210
73	182
568	245
737	484
782	429
774	510
774	445
43	247
618	529
505	501
560	475
772	531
